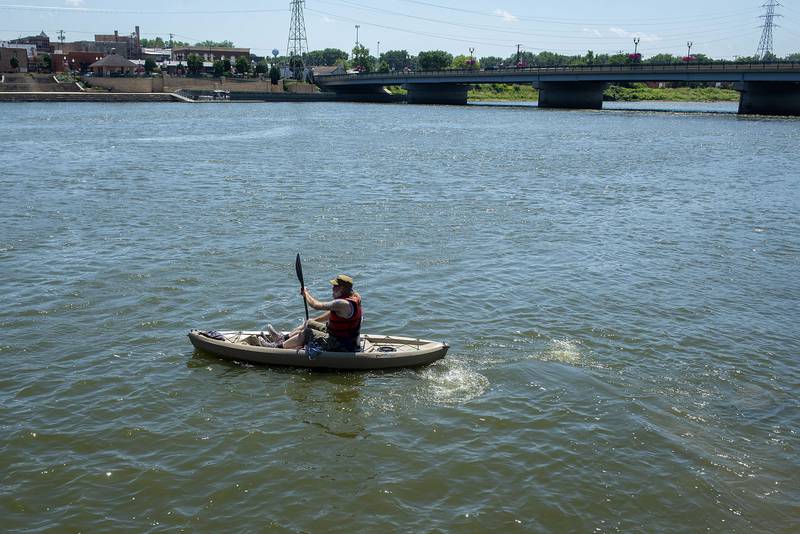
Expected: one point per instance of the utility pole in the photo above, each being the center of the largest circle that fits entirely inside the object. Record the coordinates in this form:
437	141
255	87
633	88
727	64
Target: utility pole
765	45
378	54
170	39
357	27
61	38
297	45
518	47
636	41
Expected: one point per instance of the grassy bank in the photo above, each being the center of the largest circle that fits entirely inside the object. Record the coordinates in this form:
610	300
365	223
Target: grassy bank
498	92
641	92
502	92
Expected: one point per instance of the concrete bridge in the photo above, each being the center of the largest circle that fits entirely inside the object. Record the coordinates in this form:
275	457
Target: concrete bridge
766	88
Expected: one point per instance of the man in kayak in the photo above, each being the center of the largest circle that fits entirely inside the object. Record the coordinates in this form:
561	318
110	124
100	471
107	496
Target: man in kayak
337	329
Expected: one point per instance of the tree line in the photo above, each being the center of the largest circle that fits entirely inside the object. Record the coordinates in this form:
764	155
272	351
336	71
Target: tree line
158	42
398	60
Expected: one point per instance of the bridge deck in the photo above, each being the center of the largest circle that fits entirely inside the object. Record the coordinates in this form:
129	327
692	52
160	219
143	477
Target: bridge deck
716	72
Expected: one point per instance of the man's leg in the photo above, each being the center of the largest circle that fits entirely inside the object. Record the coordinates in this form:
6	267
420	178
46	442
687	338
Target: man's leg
294	342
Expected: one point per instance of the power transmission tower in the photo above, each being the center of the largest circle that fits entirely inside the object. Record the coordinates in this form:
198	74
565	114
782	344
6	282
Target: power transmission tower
765	45
298	43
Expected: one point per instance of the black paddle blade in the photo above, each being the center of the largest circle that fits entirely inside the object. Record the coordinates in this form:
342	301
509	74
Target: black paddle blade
298	266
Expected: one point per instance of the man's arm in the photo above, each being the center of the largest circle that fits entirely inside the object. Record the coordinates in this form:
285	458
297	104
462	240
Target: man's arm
340	307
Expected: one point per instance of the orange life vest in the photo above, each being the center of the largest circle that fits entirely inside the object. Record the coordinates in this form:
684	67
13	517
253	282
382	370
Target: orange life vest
346	330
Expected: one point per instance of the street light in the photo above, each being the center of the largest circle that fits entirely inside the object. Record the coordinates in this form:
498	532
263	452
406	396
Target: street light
636	41
690	44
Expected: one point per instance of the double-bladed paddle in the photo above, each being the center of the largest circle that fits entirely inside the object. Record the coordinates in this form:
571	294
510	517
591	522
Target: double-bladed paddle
298	266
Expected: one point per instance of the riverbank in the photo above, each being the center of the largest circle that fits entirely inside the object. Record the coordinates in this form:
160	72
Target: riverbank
21	96
187	97
506	93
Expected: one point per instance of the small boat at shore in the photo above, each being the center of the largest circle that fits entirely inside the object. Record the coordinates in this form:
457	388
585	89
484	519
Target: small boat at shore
376	352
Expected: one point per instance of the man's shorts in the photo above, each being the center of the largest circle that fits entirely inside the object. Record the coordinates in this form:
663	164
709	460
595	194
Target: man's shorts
318	333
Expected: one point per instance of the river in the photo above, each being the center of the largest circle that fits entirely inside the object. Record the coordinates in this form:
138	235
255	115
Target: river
619	289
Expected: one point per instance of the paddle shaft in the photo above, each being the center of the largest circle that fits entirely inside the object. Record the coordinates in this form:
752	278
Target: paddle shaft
298	266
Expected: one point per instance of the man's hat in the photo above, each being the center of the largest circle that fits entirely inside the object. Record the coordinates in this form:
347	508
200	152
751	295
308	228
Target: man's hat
342	280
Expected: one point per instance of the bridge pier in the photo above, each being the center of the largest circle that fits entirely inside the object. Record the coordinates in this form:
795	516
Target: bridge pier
571	95
437	93
769	98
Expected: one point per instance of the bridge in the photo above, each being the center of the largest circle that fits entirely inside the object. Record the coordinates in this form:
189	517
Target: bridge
766	88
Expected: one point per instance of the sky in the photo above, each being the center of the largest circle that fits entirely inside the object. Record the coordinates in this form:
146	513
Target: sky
718	28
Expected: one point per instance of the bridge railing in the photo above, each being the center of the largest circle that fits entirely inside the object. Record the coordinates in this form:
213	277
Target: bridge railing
724	66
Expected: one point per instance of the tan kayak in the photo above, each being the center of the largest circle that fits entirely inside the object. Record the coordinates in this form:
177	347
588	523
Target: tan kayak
377	352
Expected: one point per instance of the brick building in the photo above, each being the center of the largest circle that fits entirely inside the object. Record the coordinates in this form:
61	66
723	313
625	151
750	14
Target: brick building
75	61
7	56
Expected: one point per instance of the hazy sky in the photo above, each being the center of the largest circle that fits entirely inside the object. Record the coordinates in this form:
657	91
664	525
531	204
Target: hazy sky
719	28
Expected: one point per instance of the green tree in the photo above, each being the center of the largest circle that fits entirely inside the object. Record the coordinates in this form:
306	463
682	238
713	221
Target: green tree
274	74
465	62
702	59
362	61
491	61
194	64
793	57
328	57
262	67
434	60
618	59
46	63
314	58
397	59
216	44
334	56
14	63
660	59
219	68
383	66
149	65
243	65
158	42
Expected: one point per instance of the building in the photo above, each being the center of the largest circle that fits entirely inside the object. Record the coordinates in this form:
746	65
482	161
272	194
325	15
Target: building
156	54
209	53
75	61
98	47
328	71
7	56
30	49
41	41
127	46
113	65
132	41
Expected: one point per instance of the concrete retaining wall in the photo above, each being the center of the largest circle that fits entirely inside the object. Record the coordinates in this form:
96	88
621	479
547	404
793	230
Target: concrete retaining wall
302	88
89	97
212	84
168	84
123	85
